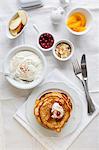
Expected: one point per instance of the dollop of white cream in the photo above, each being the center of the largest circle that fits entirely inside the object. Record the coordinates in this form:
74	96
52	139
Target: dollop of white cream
56	108
26	66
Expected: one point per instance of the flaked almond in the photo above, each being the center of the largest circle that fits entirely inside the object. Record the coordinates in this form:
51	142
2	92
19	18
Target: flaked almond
63	50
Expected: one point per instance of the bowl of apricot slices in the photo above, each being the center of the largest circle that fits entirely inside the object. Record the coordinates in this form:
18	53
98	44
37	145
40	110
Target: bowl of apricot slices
79	21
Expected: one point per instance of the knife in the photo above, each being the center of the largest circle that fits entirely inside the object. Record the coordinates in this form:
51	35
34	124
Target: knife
90	105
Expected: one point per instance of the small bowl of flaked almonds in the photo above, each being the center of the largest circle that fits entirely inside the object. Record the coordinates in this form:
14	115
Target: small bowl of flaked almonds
63	50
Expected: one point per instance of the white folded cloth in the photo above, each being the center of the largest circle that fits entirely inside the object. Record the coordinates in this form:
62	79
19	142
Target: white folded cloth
10	96
30	3
63	142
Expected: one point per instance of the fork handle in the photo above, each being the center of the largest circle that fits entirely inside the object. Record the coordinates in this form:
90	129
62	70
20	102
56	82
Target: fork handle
90	105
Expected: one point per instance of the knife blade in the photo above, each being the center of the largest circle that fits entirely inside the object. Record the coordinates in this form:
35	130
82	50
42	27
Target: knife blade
90	104
84	67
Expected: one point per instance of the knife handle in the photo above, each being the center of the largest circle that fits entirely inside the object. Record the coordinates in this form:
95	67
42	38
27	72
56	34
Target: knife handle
90	105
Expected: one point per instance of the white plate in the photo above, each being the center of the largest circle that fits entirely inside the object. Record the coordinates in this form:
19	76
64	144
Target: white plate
73	121
18	84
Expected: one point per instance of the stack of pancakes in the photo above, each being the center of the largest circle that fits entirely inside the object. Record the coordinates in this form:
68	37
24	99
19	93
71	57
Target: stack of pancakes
43	108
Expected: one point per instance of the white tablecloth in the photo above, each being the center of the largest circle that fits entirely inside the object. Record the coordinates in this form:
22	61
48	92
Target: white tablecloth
12	135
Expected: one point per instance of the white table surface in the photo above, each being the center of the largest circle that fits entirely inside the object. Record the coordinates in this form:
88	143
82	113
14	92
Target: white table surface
12	135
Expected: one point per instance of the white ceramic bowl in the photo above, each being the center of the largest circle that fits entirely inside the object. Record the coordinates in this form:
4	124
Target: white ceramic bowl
9	35
88	16
41	48
72	50
39	34
18	84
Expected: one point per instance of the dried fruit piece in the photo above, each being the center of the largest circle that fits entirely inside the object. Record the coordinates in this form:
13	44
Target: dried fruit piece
77	22
23	16
71	20
13	32
81	17
17	30
74	25
15	23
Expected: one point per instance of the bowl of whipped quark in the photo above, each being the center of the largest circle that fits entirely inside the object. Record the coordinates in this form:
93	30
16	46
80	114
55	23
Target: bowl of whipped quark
25	66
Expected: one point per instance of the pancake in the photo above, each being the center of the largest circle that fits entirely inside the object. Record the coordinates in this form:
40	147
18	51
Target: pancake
43	110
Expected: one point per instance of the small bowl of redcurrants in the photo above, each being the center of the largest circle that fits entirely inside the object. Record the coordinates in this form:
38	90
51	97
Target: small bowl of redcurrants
45	41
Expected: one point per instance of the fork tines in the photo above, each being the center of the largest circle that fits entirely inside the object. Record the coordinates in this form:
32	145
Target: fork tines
76	66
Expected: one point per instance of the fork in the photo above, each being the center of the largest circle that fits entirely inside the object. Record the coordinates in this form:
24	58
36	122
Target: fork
78	74
77	70
7	74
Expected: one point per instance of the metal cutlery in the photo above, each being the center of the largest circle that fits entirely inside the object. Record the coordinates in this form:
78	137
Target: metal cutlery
78	72
91	107
7	74
32	7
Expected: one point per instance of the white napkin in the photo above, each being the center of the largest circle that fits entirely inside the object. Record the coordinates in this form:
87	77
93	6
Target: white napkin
49	142
93	4
30	3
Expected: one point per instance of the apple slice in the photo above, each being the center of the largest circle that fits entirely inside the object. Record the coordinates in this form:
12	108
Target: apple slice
17	30
13	32
23	16
15	23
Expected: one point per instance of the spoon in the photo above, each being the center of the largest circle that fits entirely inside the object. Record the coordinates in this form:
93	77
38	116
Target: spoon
36	28
7	74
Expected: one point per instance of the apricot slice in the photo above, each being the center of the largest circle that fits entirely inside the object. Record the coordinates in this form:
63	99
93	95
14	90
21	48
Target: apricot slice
71	20
78	29
80	17
77	22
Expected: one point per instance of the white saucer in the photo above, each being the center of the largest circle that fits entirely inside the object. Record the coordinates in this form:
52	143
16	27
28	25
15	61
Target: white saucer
73	121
